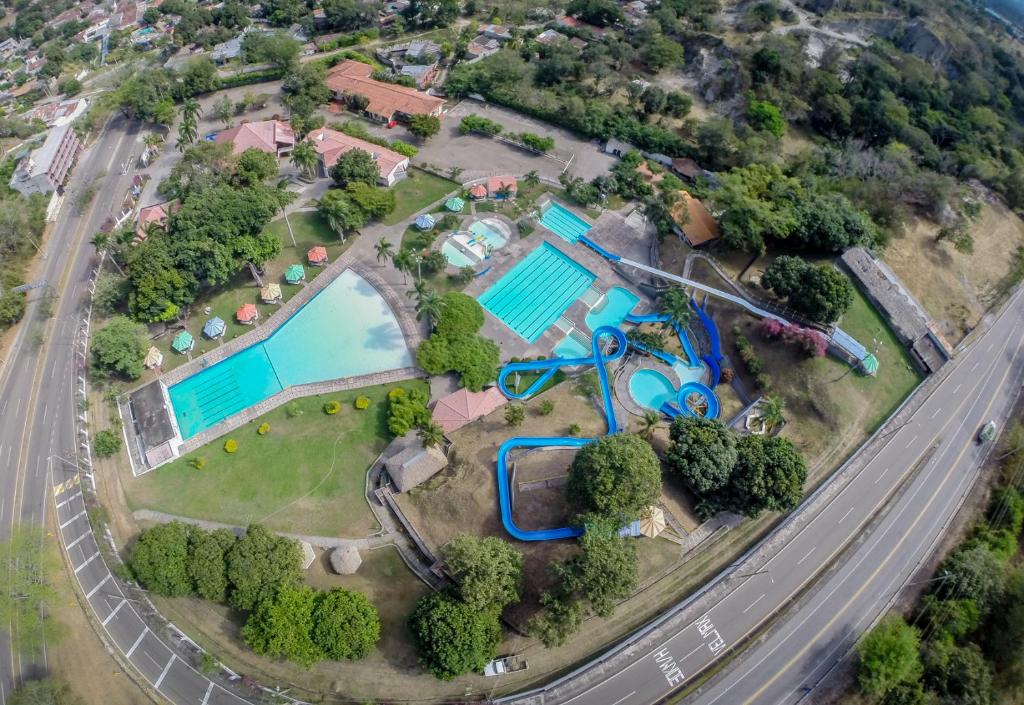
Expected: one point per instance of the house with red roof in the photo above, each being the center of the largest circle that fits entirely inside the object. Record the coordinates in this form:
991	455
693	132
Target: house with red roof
497	185
385	102
477	192
331	145
463	406
270	136
157	213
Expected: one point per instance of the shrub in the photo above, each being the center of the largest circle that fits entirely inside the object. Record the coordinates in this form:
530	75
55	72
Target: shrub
404	148
546	407
230	445
574	429
263	429
292	410
514	414
198	462
407	410
362	403
106	443
332	407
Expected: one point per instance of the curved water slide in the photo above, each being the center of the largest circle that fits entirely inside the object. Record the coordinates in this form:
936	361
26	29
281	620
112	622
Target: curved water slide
684	339
548	368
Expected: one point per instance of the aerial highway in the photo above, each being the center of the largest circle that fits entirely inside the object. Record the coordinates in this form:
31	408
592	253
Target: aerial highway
897	505
36	379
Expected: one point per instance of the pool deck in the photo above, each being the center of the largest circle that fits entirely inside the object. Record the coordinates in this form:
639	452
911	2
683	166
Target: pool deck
411	332
611	230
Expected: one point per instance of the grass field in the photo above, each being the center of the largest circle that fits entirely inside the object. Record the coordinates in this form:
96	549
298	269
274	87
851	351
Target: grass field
306	476
309	230
416	192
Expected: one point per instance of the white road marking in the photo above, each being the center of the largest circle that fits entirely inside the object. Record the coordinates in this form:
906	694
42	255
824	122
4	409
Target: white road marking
620	700
842	518
164	673
937	412
145	630
912	441
957	388
209	689
76	495
88	560
751	605
806	556
77	516
76	541
877	479
114	611
975	365
699	647
98	586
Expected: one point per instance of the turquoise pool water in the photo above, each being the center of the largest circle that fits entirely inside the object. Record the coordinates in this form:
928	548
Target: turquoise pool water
491	237
533	294
570	347
564	223
480	237
455	256
345	330
651	389
612	309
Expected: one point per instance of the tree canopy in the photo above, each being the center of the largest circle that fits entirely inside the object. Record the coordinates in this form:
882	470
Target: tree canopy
820	292
488	570
159	560
118	349
258	564
452	637
702	453
346	625
355	166
769	475
615	476
889	657
281	625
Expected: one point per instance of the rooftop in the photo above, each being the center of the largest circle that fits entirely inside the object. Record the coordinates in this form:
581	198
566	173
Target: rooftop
265	135
694	220
331	144
385	99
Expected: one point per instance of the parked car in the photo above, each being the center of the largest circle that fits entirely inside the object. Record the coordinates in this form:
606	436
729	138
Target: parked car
986	433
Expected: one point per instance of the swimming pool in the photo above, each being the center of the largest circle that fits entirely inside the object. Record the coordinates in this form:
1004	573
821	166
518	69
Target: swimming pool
533	294
572	346
564	223
651	389
466	249
611	310
345	330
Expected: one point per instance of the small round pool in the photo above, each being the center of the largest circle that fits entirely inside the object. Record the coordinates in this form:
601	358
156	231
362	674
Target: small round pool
651	389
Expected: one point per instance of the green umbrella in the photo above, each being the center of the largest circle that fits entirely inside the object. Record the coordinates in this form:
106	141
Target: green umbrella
294	274
455	204
182	342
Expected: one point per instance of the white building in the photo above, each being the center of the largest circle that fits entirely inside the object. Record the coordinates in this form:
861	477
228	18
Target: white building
46	169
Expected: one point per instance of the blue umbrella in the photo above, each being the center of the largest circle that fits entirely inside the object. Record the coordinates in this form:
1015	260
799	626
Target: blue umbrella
425	221
214	328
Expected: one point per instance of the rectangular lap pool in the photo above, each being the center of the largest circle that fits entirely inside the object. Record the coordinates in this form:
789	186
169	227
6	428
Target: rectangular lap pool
533	294
564	223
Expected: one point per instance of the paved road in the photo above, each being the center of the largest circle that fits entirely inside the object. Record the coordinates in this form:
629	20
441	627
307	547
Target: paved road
813	636
36	382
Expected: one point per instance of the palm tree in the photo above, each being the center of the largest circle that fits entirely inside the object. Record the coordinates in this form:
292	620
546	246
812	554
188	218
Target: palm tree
771	409
503	193
190	110
419	289
404	263
304	157
455	172
385	250
429	307
651	419
532	178
676	306
102	241
431	435
187	133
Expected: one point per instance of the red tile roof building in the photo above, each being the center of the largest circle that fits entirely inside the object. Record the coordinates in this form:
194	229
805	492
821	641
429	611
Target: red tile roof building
157	213
496	183
462	407
332	144
271	136
387	101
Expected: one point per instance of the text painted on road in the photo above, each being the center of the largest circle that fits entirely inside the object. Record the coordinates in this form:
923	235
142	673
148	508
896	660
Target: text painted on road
669	668
710	635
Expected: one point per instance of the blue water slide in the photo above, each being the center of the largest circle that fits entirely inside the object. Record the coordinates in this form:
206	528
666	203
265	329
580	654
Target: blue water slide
610	256
681	408
668	358
713	360
548	368
691	356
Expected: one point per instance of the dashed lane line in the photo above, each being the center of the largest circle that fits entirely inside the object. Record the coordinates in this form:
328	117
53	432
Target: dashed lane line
752	604
206	697
843	517
806	555
129	652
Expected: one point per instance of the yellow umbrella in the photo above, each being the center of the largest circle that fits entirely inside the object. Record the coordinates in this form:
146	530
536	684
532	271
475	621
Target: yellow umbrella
653	522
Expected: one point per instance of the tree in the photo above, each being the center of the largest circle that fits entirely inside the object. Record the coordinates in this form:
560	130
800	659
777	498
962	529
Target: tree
431	13
106	443
199	76
110	294
702	453
191	110
757	205
461	314
488	571
769	476
255	166
958	674
355	166
662	53
616	476
281	625
27	597
384	249
515	414
346	625
429	307
46	691
675	304
12	304
452	637
650	419
159	560
771	412
424	126
224	109
304	89
889	657
258	564
342	215
821	292
606	570
596	12
207	567
763	115
405	263
407	410
118	350
431	435
277	49
561	618
375	202
305	158
973	572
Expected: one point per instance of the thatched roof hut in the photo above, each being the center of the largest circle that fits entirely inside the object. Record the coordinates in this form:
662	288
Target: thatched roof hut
414	465
345	560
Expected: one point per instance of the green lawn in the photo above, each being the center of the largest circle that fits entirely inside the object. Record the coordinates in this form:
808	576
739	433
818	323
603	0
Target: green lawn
417	191
307	475
309	230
